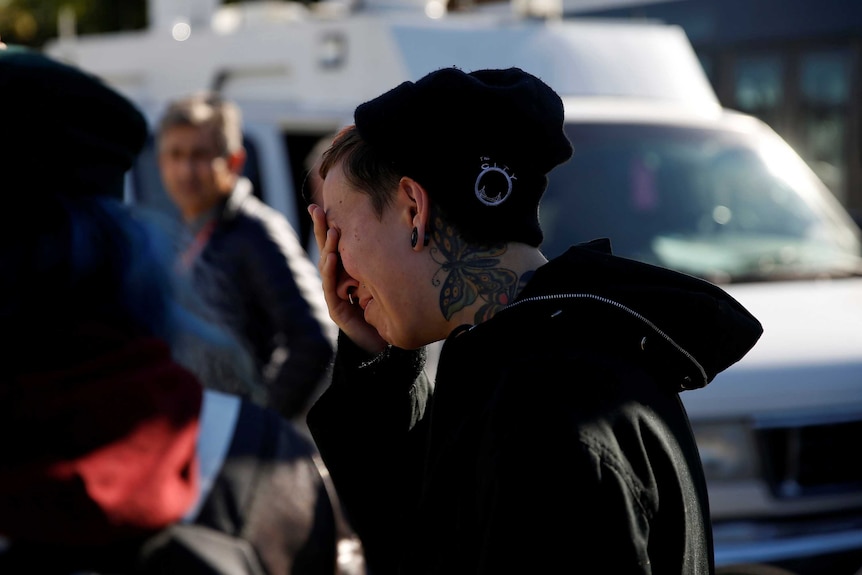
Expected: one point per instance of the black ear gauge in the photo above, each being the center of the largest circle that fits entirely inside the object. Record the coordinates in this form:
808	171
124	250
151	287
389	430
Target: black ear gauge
414	238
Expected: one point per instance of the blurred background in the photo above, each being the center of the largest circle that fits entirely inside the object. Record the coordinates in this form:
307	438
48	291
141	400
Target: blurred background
793	63
721	138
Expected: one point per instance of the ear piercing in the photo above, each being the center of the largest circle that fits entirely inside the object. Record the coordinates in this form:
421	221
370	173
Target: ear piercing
350	295
414	238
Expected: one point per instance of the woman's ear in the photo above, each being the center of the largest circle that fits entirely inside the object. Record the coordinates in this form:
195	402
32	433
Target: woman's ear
236	161
419	211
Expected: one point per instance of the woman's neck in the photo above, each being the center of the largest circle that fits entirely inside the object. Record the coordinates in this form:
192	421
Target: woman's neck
484	279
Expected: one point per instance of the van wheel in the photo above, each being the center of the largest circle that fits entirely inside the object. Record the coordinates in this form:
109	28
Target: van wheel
752	569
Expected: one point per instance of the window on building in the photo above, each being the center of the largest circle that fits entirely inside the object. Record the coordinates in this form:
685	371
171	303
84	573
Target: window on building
824	95
759	87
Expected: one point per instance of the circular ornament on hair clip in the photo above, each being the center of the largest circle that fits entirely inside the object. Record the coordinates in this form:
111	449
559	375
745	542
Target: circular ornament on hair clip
493	184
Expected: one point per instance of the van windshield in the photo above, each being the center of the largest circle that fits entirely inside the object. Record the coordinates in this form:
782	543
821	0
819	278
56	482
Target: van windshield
724	205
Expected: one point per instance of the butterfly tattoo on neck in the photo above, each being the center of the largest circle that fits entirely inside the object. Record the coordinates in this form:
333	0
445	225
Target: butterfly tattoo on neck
471	273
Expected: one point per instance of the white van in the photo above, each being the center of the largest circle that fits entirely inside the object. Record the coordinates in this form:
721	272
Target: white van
659	168
721	196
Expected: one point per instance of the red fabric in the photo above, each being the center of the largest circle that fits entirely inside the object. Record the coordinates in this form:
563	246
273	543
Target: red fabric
100	451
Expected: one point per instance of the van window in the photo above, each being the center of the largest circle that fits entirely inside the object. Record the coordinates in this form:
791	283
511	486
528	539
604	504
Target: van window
300	148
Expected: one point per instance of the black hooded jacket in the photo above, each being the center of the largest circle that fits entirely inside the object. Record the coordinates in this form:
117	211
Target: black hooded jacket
554	439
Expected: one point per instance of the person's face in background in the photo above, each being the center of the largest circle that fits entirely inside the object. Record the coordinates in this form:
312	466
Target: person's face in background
195	172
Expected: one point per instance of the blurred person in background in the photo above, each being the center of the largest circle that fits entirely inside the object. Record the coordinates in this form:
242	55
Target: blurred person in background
553	438
244	258
113	457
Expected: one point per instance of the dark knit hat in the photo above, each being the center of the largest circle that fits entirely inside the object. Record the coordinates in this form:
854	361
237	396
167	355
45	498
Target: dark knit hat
64	131
481	143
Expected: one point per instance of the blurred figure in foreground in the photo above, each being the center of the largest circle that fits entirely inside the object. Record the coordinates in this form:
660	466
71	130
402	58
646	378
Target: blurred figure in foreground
553	437
113	458
245	258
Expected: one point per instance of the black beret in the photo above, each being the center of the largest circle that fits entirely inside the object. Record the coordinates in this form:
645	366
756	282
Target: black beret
64	131
481	143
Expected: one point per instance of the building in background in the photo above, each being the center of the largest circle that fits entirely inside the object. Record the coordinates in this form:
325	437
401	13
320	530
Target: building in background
796	64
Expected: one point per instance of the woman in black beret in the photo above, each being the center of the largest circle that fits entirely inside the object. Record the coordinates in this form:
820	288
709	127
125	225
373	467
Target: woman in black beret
552	438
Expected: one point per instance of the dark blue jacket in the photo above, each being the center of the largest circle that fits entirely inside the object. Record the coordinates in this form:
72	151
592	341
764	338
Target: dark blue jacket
256	274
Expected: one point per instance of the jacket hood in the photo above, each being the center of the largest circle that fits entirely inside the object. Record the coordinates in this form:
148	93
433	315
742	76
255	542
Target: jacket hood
688	328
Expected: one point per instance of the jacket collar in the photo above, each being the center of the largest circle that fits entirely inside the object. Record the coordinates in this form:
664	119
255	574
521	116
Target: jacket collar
241	192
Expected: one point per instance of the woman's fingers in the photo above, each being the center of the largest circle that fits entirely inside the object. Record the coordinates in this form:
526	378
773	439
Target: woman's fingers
329	266
347	316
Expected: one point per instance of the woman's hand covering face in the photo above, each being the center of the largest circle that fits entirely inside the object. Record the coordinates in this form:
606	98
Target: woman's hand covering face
349	317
